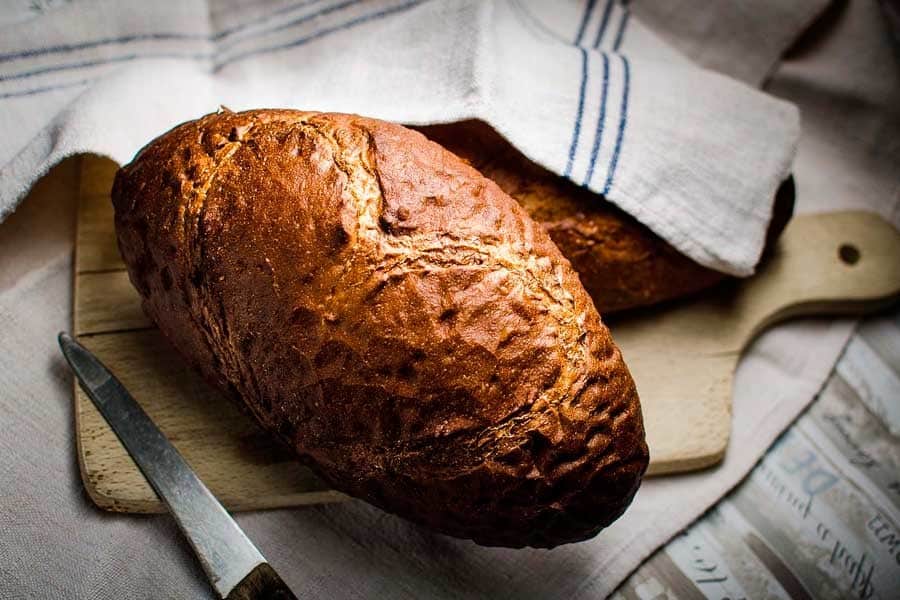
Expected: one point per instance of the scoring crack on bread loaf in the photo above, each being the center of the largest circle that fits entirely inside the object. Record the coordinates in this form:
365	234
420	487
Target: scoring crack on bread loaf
389	314
208	313
392	254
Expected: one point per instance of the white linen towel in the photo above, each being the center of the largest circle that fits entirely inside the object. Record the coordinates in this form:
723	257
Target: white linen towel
54	543
580	87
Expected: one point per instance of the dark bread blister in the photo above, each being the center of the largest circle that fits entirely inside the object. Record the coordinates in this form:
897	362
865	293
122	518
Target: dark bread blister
391	315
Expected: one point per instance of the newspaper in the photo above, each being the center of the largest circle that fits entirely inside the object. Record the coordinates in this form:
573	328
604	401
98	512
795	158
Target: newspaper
819	516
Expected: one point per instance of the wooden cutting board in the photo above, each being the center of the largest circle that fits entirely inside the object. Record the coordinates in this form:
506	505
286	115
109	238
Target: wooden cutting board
682	356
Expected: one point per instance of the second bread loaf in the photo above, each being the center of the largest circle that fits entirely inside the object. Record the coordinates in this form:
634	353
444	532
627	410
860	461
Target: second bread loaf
622	264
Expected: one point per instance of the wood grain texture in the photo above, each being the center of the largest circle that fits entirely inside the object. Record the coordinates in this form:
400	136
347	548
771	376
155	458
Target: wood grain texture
95	244
681	355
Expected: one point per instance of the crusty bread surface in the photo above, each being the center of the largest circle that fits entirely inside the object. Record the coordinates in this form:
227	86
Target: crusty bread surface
391	315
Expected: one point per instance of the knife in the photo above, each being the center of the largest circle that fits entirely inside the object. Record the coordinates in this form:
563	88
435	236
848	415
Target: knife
235	568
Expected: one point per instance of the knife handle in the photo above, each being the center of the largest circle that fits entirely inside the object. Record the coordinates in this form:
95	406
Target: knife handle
262	583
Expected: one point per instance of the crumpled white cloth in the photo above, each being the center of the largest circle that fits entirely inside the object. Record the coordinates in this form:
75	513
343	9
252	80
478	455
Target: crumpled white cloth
581	87
55	544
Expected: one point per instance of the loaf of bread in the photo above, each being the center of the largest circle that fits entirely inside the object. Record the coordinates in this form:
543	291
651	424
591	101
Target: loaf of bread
391	315
622	264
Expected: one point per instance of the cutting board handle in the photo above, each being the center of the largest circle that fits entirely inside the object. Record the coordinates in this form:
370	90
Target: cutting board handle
836	263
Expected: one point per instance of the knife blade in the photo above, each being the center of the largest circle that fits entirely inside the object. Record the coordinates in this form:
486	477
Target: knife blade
236	569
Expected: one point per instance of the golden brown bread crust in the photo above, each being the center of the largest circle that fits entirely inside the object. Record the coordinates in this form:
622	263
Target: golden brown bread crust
622	264
390	314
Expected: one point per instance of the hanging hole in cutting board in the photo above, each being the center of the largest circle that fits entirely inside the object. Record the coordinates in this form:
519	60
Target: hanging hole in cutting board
849	254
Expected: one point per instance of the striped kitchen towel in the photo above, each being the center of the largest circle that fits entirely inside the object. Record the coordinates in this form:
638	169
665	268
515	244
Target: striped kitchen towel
580	87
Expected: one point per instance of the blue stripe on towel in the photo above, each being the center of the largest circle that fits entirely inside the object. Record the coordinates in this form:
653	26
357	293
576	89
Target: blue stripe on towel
147	37
623	119
297	42
603	23
584	21
622	24
49	88
125	39
302	19
319	34
598	136
105	61
188	55
261	18
516	5
577	131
